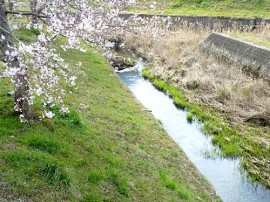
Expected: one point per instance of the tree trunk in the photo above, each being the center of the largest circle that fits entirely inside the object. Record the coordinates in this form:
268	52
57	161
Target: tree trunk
33	6
21	84
22	95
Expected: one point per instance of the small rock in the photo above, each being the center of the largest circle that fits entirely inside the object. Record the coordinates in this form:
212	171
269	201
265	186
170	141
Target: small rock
122	63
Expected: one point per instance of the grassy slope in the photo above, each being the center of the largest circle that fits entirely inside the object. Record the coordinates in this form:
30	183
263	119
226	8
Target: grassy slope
228	8
255	38
108	149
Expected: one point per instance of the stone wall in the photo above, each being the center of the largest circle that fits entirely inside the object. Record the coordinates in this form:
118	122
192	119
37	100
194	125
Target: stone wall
213	23
249	57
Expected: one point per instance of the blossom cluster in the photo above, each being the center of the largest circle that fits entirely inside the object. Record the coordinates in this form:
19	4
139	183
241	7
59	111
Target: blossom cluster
40	64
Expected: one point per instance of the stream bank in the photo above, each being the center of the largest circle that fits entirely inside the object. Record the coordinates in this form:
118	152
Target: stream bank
225	174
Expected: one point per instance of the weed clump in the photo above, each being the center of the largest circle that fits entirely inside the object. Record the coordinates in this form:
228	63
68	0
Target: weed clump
71	119
109	176
54	173
43	143
95	176
190	117
37	164
182	192
119	181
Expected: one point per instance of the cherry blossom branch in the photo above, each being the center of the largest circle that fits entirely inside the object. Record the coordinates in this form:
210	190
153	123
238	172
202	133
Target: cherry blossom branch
39	61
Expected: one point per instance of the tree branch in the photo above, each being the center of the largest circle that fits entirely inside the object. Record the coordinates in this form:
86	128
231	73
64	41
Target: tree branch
7	32
27	13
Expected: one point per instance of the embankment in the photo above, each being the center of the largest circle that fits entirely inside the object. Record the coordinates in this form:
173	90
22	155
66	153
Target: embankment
212	23
249	57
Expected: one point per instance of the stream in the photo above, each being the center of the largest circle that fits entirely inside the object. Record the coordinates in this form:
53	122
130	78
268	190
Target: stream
225	175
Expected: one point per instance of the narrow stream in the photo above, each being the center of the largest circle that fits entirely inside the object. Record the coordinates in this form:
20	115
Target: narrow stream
224	174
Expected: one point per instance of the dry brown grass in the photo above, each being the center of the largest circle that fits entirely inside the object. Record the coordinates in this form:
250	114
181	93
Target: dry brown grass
175	58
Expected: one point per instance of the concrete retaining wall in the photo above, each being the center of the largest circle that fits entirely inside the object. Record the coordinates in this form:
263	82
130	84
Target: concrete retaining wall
213	23
254	59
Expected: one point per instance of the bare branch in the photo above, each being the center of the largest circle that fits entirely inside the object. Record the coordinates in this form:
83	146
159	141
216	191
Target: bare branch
27	13
7	32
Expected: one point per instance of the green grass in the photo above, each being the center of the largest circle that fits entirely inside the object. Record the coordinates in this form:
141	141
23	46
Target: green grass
190	117
26	36
255	38
226	8
107	149
172	185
